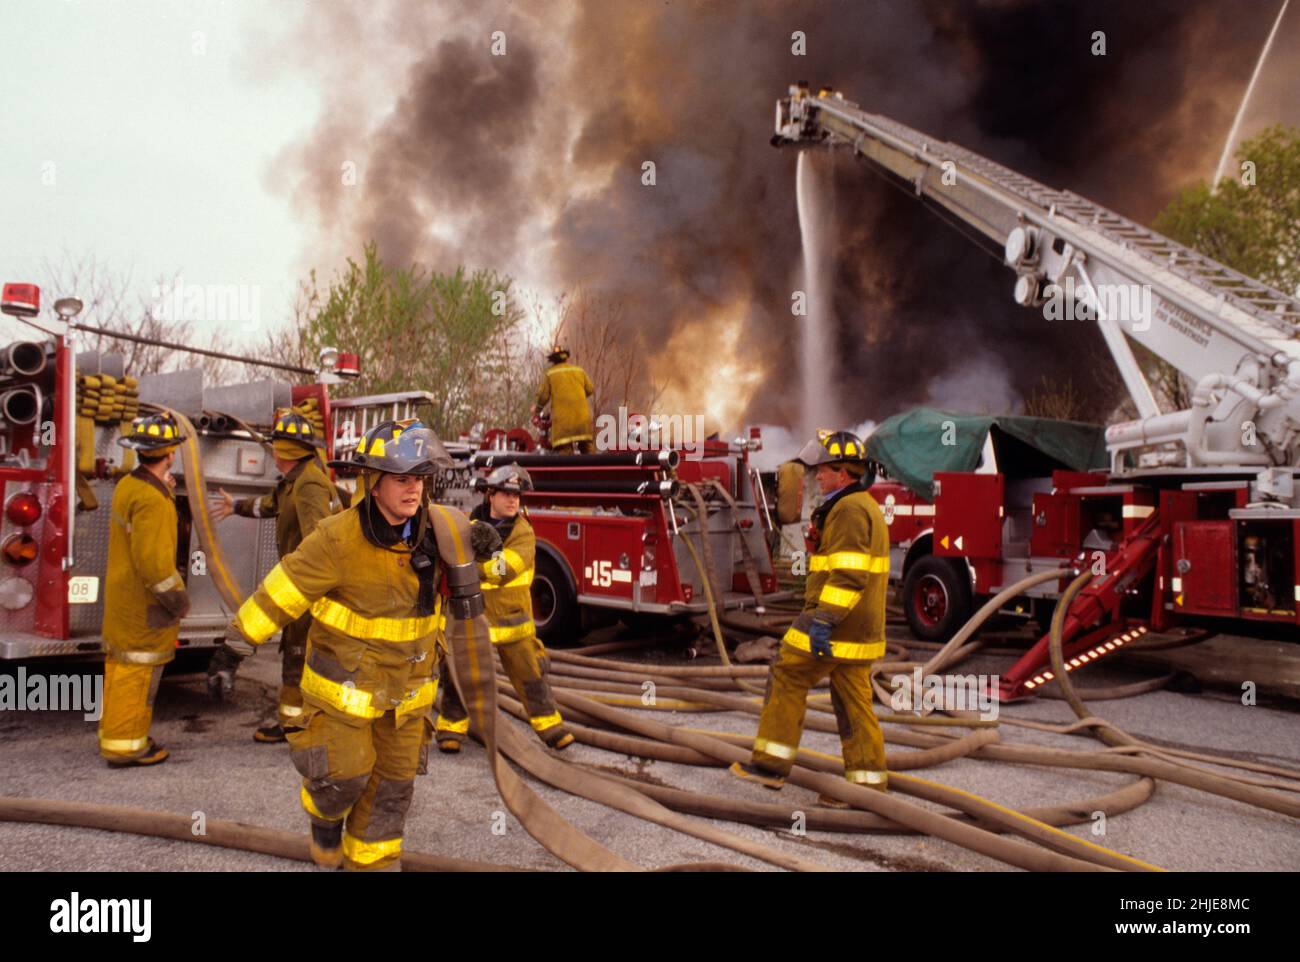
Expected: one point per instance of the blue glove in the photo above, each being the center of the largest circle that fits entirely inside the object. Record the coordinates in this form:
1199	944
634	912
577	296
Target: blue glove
819	639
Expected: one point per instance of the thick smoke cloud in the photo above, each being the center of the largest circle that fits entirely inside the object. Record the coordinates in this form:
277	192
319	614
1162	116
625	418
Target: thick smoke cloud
533	162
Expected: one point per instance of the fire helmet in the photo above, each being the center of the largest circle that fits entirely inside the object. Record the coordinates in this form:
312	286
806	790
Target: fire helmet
832	447
153	433
392	447
508	477
292	426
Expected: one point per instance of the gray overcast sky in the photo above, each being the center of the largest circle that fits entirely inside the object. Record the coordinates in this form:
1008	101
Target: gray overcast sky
159	136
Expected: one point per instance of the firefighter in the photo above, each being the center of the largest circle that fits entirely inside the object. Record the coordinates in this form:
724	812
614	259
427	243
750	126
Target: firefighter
300	501
566	388
507	575
144	593
841	629
371	577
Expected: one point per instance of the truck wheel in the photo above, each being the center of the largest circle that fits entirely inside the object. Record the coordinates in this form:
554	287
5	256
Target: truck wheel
555	606
936	598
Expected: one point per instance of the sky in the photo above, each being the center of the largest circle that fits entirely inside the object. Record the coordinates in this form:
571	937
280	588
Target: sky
138	132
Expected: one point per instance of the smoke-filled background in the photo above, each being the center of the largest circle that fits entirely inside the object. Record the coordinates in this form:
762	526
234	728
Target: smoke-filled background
531	162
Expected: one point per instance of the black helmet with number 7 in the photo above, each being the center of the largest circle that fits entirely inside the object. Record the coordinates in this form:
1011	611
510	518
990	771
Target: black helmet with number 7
394	447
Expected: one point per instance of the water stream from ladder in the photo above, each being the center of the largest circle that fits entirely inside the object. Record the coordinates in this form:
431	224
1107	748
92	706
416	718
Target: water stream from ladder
816	354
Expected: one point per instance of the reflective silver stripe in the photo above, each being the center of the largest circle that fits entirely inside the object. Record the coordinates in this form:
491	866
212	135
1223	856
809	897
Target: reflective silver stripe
290	711
142	657
867	776
170	583
775	749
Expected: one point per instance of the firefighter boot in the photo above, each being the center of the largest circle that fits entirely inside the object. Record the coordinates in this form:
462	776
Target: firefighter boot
327	845
753	773
154	754
270	734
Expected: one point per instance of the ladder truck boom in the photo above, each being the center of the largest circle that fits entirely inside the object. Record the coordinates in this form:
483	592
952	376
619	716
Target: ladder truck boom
1235	338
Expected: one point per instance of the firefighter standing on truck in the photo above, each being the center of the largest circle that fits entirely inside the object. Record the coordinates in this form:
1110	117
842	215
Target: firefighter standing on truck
300	501
371	578
841	629
507	577
144	594
566	387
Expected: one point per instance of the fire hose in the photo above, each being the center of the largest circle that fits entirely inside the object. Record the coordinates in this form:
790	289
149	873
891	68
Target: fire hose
582	682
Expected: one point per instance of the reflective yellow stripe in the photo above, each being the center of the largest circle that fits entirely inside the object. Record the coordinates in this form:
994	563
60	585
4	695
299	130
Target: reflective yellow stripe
514	560
310	807
123	745
285	593
364	853
840	597
254	623
866	776
518	581
545	721
341	618
346	698
455	727
170	583
849	561
423	696
848	650
775	749
500	635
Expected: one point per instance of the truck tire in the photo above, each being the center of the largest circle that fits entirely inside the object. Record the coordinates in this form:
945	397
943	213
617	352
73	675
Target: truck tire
555	605
936	597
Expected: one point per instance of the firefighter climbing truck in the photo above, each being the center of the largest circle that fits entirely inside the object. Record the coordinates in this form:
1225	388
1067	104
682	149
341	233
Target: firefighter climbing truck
1195	520
613	527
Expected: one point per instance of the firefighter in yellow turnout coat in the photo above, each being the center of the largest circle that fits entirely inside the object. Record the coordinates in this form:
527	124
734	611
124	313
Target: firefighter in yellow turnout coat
370	577
300	501
144	594
566	387
841	629
507	577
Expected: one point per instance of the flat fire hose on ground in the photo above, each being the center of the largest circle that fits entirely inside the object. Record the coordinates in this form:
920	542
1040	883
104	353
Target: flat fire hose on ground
975	823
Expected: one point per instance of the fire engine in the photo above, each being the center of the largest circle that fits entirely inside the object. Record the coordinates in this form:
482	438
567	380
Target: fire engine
1194	517
611	526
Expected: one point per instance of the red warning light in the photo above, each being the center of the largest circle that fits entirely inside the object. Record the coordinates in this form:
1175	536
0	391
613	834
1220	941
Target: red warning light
23	509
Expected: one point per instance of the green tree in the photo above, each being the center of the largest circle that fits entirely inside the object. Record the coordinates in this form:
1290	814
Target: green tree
457	336
1251	221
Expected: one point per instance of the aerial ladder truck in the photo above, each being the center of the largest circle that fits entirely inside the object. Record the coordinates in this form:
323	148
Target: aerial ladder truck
1197	519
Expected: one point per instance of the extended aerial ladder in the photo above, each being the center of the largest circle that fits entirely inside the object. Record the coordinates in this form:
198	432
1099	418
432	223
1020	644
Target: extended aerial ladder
1236	339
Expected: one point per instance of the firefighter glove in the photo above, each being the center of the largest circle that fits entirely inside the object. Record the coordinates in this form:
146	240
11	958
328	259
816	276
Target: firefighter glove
223	666
819	639
484	539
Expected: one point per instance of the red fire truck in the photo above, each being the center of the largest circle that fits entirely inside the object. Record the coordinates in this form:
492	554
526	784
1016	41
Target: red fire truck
611	527
1192	517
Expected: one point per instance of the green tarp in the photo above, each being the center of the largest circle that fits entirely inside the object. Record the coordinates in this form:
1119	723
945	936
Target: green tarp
914	445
